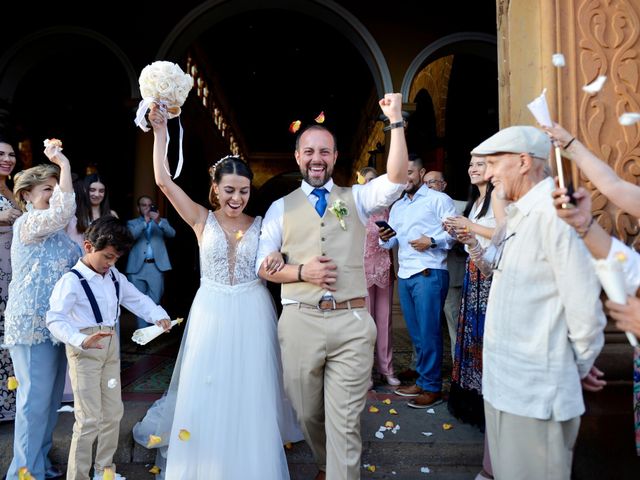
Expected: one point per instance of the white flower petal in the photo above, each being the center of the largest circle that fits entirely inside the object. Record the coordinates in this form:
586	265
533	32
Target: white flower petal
425	470
431	411
427	434
558	60
596	85
379	435
112	383
629	118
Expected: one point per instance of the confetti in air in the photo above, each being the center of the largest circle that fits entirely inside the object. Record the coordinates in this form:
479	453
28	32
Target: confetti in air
596	85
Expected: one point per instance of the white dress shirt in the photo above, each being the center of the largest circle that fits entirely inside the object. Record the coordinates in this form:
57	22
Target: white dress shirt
414	217
373	196
369	198
544	322
70	310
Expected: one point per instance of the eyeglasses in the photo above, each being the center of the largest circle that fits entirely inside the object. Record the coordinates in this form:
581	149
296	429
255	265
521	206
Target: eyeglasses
500	251
433	181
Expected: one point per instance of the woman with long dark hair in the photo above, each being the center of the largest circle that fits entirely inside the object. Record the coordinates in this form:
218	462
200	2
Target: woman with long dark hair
478	220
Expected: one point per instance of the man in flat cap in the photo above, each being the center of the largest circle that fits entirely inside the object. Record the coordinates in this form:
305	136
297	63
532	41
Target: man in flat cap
544	322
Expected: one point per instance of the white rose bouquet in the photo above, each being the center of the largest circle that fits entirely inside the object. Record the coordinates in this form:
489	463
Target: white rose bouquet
166	84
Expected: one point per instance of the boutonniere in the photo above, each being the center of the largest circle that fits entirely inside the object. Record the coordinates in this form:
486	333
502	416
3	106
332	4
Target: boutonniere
339	209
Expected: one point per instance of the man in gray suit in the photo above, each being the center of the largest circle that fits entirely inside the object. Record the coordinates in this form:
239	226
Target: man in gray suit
148	259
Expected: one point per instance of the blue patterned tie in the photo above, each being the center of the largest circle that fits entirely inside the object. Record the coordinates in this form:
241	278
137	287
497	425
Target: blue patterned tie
321	204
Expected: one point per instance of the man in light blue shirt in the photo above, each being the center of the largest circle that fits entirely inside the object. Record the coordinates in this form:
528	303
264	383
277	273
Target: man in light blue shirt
423	282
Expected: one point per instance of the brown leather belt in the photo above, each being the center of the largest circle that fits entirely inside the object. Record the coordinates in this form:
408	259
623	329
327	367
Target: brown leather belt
359	302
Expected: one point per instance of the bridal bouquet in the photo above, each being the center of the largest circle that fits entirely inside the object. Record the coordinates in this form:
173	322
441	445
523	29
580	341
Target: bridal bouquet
165	84
142	336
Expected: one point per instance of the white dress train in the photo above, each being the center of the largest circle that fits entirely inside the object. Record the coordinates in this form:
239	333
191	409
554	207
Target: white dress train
226	390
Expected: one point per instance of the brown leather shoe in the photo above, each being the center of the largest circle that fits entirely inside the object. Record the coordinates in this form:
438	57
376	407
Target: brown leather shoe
409	391
426	400
320	476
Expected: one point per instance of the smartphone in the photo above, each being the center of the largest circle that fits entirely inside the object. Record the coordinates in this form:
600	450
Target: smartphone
383	224
153	208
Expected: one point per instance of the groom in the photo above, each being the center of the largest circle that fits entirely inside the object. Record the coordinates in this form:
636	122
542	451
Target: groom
326	334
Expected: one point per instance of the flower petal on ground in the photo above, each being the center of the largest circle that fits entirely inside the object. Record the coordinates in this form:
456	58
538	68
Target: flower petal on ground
155	470
447	426
373	409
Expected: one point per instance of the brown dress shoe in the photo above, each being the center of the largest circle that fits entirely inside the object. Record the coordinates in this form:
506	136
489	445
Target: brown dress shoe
410	391
426	400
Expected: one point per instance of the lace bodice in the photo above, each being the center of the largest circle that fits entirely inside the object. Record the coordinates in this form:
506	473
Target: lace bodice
225	260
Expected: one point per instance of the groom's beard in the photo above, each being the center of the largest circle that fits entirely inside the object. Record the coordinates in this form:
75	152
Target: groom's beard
317	181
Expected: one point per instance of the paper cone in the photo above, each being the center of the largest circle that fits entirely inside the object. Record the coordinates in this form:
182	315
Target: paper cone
611	276
142	336
540	110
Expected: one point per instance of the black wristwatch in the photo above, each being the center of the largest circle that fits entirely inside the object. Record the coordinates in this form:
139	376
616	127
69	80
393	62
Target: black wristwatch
433	243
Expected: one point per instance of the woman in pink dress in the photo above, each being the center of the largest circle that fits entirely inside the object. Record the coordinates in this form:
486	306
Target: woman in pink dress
378	269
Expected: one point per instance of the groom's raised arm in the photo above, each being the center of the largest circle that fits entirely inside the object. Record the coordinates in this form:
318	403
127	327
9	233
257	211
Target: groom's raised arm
398	159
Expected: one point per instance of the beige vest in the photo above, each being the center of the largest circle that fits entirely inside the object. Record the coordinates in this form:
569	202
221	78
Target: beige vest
305	235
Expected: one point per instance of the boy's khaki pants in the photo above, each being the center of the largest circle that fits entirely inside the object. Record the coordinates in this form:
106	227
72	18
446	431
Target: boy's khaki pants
98	408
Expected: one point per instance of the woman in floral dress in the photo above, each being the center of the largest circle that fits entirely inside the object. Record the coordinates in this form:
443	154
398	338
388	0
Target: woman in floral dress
8	213
41	252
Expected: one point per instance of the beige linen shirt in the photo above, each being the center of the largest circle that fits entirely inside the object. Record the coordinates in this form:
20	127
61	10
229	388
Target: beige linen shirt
544	322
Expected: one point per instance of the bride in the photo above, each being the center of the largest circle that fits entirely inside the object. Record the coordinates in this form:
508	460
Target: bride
225	415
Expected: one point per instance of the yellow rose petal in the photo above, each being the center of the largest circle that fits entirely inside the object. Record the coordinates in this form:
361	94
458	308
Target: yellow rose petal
108	474
179	320
239	234
295	126
386	401
373	409
621	257
155	470
389	424
23	474
360	179
153	441
447	426
12	384
393	411
288	445
320	118
184	435
371	468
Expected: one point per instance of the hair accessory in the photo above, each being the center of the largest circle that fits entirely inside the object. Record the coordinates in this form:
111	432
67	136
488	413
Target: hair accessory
215	165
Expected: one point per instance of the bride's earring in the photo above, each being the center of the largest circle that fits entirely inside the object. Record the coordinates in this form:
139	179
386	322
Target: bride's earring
29	206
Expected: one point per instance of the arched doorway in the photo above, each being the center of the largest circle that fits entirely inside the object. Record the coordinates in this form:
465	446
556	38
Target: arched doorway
454	88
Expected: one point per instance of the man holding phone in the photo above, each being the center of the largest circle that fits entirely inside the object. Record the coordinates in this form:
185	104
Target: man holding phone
148	258
415	225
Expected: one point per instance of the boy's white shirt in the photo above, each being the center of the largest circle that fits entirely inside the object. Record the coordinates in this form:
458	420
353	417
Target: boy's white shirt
70	310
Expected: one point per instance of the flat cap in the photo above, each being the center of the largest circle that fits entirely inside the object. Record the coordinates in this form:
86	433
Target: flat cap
517	139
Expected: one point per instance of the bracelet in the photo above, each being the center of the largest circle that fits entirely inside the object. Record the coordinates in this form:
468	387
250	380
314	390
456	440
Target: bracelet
393	125
300	272
583	233
569	143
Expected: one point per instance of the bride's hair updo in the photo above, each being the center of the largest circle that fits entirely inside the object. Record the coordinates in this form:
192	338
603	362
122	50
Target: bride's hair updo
229	165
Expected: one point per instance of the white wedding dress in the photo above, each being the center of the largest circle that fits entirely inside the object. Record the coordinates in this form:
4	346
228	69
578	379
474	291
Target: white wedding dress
226	389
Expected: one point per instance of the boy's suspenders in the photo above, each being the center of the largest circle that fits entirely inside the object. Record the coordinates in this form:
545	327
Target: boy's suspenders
92	297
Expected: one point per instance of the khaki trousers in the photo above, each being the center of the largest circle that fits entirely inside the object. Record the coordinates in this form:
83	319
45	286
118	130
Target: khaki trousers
98	408
524	448
327	358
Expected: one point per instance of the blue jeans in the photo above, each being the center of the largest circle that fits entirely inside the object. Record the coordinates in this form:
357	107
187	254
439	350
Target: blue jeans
421	299
40	370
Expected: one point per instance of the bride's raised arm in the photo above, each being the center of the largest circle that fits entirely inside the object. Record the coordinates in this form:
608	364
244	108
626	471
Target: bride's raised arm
191	212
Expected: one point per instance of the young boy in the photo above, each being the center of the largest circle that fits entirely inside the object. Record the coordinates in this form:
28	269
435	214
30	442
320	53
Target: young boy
83	311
